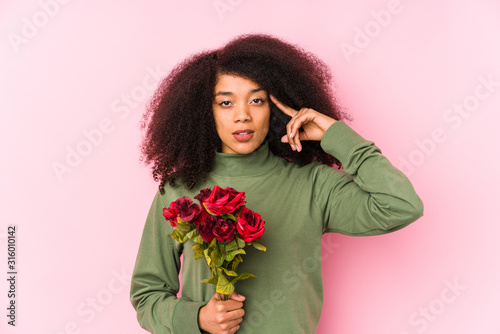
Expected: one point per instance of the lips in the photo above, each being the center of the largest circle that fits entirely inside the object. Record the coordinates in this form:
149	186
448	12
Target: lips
243	135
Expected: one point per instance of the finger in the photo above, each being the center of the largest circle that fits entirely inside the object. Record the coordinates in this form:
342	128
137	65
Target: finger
297	143
215	298
290	139
228	324
306	116
235	315
302	117
286	109
231	305
231	319
302	137
297	123
290	112
296	140
293	128
234	322
237	297
234	329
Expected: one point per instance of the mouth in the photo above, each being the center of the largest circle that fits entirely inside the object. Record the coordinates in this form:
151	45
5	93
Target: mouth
243	135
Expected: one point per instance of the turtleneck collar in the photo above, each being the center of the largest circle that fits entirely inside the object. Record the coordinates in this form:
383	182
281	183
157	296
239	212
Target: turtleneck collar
257	162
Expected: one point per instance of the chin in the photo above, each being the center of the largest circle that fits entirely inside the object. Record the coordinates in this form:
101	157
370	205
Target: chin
243	148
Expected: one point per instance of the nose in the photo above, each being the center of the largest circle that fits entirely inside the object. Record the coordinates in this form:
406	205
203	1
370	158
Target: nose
242	114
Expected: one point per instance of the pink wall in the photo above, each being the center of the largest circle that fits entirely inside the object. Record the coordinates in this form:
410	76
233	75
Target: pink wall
413	74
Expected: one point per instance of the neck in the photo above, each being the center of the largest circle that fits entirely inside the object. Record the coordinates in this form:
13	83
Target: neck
257	162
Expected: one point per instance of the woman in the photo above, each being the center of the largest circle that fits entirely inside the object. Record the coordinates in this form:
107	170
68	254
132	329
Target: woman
258	115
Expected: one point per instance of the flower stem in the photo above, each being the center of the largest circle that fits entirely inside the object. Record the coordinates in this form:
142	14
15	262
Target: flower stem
221	296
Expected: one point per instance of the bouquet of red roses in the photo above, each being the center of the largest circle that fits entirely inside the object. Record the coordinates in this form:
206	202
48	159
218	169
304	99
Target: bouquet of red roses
220	226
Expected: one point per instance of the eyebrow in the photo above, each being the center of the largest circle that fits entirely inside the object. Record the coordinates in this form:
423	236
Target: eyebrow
230	93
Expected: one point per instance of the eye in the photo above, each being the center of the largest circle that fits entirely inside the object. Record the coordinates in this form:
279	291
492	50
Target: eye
258	101
225	103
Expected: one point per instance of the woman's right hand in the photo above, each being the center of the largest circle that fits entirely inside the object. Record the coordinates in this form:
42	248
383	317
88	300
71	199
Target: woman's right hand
222	316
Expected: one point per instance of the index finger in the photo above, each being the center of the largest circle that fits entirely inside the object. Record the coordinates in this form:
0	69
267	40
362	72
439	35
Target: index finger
286	109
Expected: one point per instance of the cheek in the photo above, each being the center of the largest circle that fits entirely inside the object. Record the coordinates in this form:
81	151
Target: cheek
266	121
219	122
220	126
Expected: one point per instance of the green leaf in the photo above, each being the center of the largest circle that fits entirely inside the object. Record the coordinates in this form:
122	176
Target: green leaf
228	216
195	236
230	256
236	261
240	242
186	227
241	276
233	245
179	235
211	280
198	239
212	244
190	233
224	286
217	258
259	246
237	212
207	257
229	272
198	254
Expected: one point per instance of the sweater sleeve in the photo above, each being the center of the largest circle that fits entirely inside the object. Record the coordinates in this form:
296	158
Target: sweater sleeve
371	196
155	280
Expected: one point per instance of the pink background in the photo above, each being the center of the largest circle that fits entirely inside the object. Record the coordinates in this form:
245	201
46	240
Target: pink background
71	67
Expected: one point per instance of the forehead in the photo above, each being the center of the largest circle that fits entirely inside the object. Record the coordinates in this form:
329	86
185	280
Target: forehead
230	83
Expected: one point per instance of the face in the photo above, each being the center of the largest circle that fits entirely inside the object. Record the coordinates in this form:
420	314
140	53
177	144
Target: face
241	111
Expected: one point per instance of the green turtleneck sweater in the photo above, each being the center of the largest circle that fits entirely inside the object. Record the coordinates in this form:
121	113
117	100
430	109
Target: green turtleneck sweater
299	205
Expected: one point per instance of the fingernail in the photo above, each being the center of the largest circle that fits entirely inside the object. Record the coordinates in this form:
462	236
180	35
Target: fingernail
294	148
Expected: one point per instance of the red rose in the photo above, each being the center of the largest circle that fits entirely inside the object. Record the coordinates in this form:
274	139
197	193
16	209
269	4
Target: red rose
171	214
224	229
187	210
184	208
201	217
249	224
223	201
203	195
205	228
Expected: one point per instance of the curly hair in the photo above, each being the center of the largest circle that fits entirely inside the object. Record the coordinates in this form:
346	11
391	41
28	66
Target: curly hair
180	137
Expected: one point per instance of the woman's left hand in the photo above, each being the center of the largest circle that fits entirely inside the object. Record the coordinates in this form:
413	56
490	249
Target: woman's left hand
312	122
